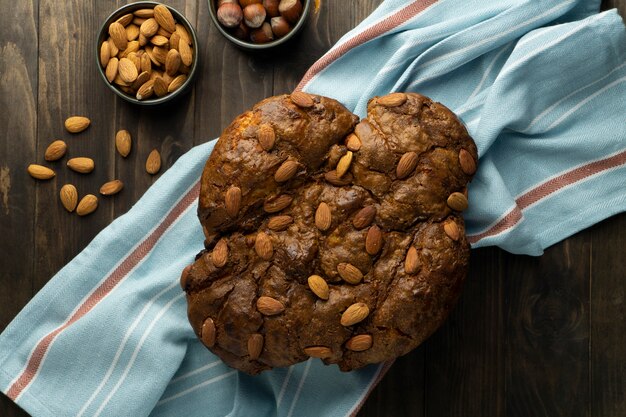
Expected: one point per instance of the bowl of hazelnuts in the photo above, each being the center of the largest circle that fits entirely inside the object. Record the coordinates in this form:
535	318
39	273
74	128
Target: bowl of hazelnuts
259	24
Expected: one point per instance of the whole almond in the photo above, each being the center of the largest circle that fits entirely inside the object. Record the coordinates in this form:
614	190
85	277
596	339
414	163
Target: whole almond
132	32
143	41
111	187
82	165
318	352
407	165
266	136
112	47
160	54
457	201
150	52
276	204
207	334
40	172
182	32
263	246
126	19
118	81
392	100
232	201
359	343
88	204
142	78
164	18
134	58
331	177
139	21
353	143
133	46
411	262
123	142
118	35
373	240
219	255
176	83
255	346
302	100
354	314
286	171
279	223
172	62
149	28
144	13
55	150
364	217
146	64
159	40
323	217
105	54
467	162
153	163
349	273
269	306
76	124
69	197
146	90
452	230
111	69
127	70
344	164
186	53
160	87
319	286
175	41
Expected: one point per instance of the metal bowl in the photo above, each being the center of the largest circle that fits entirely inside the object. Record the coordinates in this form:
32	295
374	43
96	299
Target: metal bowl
104	34
306	5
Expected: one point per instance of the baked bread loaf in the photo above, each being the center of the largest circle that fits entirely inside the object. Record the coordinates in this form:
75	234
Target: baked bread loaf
327	237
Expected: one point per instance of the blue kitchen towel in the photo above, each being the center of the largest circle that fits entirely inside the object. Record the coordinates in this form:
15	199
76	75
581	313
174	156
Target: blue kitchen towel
541	86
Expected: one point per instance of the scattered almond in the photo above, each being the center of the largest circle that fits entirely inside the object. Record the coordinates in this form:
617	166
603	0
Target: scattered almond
276	204
407	165
302	100
373	240
411	262
364	217
353	143
232	201
349	273
76	124
255	346
82	165
266	136
40	172
269	306
318	352
88	204
452	230
319	286
467	162
344	164
457	201
279	223
354	314
323	217
263	246
392	100
69	197
55	150
359	343
286	171
219	256
208	332
153	163
111	187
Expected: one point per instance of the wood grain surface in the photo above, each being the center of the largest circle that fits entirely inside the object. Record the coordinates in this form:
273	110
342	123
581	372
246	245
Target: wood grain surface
530	336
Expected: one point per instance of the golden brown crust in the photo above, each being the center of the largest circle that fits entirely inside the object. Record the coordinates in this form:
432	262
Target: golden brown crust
404	164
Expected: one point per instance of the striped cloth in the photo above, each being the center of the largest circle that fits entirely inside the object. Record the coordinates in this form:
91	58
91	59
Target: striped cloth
541	86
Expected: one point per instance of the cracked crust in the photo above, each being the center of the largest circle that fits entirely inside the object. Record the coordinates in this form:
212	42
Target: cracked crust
404	308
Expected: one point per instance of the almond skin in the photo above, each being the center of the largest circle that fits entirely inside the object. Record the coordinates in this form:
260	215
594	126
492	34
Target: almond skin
255	346
112	187
219	256
269	306
266	136
127	70
263	246
149	28
40	172
359	343
144	13
373	240
319	286
286	171
452	230
406	165
146	90
153	163
105	54
232	201
301	99
208	332
88	204
118	35
82	165
392	100
176	83
323	217
354	314
164	18
411	262
69	197
349	273
55	150
76	124
318	351
467	162
331	177
276	204
111	69
186	53
344	164
160	87
125	20
364	217
457	201
279	223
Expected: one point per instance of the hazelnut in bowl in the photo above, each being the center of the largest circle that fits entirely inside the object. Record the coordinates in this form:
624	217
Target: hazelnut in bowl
259	24
146	53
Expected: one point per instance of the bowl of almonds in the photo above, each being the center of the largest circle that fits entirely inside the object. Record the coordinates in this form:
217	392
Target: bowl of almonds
146	53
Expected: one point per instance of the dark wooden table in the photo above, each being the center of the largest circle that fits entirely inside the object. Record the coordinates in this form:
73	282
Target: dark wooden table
530	337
